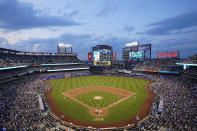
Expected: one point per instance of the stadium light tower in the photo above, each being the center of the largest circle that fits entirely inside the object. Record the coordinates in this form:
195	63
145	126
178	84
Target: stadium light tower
64	48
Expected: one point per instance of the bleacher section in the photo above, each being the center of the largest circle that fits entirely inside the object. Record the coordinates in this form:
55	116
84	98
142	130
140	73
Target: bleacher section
160	67
191	72
15	63
15	58
22	70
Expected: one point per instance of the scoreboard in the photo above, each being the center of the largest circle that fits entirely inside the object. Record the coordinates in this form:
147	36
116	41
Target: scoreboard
102	57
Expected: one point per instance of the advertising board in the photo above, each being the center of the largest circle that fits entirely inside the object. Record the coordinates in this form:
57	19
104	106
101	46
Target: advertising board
144	47
28	53
136	55
126	49
102	63
20	53
134	48
114	56
168	54
89	56
38	54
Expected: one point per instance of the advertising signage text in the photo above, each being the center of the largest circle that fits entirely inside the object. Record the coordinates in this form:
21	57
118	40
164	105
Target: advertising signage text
136	55
169	54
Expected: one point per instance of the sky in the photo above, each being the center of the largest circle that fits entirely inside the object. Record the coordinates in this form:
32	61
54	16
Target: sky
38	25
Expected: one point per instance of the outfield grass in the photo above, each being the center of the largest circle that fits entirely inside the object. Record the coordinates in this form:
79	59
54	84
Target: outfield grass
121	111
107	98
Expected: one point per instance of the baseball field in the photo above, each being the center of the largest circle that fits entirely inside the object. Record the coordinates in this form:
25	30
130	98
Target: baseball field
99	99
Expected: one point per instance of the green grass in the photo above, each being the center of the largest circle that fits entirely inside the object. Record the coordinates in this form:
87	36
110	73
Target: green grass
107	98
121	111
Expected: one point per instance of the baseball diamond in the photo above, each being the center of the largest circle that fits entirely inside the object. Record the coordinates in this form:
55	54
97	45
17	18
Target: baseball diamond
100	101
86	97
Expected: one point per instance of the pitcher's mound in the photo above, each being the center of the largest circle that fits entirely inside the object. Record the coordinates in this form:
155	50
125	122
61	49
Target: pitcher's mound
97	97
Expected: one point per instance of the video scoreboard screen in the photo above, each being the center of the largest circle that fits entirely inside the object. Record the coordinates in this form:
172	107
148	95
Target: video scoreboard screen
136	55
102	57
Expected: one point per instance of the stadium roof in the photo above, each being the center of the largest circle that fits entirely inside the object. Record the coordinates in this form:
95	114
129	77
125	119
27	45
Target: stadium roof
186	64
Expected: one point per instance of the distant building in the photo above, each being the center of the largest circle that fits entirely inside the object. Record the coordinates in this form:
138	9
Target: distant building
64	48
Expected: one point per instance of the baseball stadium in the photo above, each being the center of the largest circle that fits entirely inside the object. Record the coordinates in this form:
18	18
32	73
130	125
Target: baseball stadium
98	65
60	92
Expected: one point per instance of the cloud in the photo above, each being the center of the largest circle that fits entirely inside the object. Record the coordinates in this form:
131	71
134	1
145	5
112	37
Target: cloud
164	27
108	7
128	28
73	13
15	15
82	44
175	44
186	47
186	31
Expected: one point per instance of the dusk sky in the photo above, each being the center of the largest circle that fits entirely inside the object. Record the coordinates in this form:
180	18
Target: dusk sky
38	25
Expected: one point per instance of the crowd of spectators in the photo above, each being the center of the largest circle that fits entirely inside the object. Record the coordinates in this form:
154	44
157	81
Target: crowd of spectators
193	59
14	72
189	61
180	106
190	72
158	65
30	69
19	105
